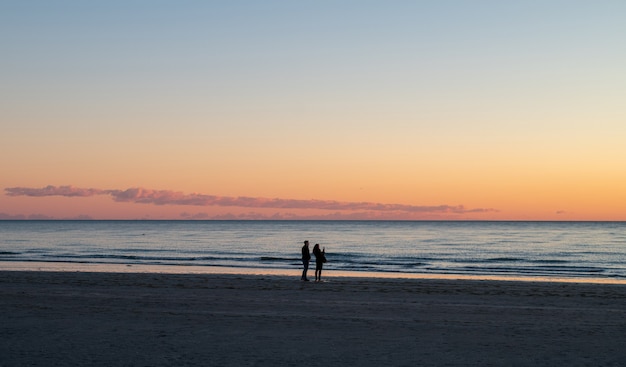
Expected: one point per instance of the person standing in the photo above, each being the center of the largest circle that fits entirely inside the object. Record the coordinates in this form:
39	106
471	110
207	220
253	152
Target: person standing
306	257
320	259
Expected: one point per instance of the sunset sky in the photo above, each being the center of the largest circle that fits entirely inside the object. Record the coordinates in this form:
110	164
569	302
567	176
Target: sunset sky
503	110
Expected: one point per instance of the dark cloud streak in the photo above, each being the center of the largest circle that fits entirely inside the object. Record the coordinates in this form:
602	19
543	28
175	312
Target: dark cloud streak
167	197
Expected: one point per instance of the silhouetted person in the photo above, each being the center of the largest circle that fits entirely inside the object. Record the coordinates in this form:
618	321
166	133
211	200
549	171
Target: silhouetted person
320	259
306	257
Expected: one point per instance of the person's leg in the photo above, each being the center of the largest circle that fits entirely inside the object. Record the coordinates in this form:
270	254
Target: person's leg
306	268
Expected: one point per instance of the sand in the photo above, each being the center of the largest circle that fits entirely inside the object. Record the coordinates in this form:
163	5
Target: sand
131	319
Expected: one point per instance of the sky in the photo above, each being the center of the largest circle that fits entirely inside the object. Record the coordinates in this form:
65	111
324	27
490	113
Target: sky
356	109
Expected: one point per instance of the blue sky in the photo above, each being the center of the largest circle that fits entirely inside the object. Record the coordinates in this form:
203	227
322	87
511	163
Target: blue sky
462	100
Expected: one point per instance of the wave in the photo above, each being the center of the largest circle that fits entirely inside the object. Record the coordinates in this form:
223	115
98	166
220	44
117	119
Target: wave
525	270
505	259
340	261
9	253
278	259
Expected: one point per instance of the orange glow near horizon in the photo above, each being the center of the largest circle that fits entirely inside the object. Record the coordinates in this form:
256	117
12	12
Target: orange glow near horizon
104	207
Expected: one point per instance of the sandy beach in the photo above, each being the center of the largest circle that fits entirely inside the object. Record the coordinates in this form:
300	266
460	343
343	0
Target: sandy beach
131	319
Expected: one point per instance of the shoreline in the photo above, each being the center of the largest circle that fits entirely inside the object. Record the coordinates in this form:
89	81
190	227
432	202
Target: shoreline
159	319
295	272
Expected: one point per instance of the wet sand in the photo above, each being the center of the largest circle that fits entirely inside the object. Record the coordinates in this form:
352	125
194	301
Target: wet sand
144	319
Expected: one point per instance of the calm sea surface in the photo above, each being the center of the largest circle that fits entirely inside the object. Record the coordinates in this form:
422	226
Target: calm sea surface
537	249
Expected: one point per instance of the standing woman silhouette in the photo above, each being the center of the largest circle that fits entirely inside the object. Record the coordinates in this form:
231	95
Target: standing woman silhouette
320	259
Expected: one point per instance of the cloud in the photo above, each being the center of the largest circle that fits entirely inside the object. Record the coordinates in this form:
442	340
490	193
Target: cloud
68	191
335	216
5	216
186	215
168	197
36	216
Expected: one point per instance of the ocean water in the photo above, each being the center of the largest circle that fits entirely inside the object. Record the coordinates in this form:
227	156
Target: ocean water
580	250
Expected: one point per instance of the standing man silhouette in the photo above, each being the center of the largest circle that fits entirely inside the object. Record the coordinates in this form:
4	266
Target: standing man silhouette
306	257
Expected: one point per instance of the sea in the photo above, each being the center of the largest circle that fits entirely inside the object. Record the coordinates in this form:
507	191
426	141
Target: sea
579	251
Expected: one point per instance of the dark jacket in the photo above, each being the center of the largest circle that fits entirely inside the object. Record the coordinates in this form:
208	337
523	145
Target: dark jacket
320	256
306	256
